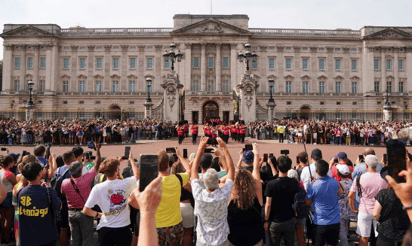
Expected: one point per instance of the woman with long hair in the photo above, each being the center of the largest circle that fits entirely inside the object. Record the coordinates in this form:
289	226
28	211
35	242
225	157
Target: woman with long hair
245	206
8	180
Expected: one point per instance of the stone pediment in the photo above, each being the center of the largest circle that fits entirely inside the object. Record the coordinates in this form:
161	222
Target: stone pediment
210	27
26	30
390	33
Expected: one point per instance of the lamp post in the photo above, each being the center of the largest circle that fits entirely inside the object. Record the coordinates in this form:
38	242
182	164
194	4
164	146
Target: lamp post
173	56
271	103
247	56
149	84
30	104
148	104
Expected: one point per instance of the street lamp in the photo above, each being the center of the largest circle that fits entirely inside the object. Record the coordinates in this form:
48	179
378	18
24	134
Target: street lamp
387	103
247	56
174	57
148	83
30	102
271	86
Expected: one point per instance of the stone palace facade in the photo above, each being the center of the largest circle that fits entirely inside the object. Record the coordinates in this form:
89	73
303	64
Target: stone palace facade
331	74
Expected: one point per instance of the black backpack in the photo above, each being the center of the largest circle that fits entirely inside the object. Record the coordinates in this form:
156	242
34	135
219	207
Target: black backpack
56	183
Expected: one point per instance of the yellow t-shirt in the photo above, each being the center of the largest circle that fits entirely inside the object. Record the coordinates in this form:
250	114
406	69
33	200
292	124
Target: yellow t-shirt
281	129
168	213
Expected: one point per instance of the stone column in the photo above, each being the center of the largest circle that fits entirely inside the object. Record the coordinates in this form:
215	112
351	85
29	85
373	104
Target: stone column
383	70
55	67
395	83
313	68
8	66
73	77
367	70
233	66
271	110
346	68
107	61
280	68
187	76
407	68
23	80
124	86
158	61
29	112
330	68
91	68
297	71
218	67
387	113
203	68
141	83
148	109
263	67
36	66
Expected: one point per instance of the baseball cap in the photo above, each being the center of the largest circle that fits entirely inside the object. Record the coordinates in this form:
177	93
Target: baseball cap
248	156
343	169
342	155
14	155
75	167
316	153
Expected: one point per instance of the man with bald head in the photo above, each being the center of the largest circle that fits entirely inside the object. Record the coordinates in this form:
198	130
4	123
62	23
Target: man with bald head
361	165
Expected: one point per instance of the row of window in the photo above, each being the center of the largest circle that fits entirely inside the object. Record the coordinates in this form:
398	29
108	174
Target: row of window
210	86
17	62
98	86
376	63
17	85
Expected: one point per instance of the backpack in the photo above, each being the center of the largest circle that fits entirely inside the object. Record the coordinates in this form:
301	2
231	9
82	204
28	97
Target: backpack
56	183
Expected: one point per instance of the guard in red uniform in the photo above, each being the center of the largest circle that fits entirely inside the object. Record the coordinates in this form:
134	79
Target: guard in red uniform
233	132
225	130
195	130
180	133
242	132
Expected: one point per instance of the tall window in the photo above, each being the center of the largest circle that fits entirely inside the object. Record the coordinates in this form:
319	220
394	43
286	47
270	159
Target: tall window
254	64
321	87
376	87
225	62
30	63
195	62
210	62
115	86
400	64
305	87
388	64
321	64
195	86
354	114
81	86
149	63
337	64
16	85
99	63
338	87
132	62
65	86
288	86
225	85
288	63
98	86
167	64
305	64
354	64
210	85
132	86
271	63
82	63
42	85
115	63
389	86
354	87
43	62
66	63
17	63
376	64
400	87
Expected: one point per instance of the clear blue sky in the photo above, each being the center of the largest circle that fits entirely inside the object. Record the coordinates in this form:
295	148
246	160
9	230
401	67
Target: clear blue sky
324	14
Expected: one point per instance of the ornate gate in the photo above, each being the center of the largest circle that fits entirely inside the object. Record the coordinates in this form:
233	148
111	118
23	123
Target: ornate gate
157	113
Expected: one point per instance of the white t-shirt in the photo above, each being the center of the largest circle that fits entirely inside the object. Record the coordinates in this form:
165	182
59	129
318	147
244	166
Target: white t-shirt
111	196
305	176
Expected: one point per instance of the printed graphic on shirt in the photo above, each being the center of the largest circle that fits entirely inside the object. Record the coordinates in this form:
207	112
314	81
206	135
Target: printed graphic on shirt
34	212
117	200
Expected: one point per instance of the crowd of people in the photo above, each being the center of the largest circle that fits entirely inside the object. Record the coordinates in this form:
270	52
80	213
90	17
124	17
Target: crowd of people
326	132
205	199
80	132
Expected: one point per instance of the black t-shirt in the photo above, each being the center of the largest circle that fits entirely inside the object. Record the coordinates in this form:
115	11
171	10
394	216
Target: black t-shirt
282	191
36	224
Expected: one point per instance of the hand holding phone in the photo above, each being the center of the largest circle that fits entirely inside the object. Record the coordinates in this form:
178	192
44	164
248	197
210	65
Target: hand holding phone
148	170
126	153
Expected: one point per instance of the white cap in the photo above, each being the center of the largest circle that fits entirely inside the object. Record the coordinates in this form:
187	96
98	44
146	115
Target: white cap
343	169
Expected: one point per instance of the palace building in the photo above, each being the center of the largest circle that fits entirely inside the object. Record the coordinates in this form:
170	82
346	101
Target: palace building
317	74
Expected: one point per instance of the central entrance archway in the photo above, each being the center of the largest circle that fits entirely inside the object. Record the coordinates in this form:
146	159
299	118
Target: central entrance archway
210	110
115	112
304	112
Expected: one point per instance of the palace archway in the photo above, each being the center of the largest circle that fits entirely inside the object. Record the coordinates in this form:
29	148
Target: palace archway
210	110
115	112
305	112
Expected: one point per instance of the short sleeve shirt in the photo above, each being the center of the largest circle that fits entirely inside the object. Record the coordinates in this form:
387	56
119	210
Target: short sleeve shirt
324	195
168	213
83	184
371	184
111	196
211	211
